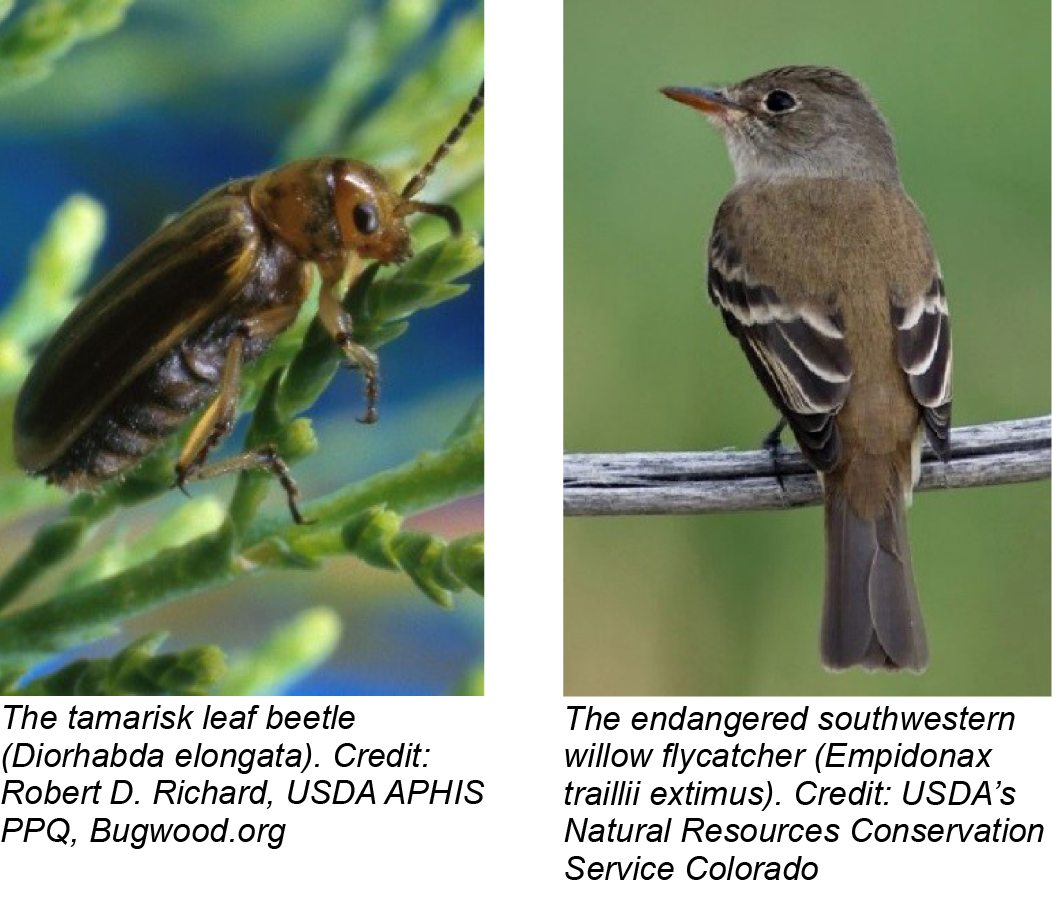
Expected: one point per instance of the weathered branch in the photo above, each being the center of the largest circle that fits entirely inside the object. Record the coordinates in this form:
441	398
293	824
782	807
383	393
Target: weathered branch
695	483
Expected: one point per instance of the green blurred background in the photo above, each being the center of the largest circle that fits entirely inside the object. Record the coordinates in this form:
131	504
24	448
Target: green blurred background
730	604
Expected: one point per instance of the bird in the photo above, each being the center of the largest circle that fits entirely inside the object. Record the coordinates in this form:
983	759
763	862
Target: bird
823	270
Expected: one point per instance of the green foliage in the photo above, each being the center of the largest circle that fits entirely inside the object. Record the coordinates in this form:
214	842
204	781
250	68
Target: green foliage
46	31
472	684
137	670
454	471
178	50
288	653
58	267
244	543
93	575
51	545
375	38
438	568
95	610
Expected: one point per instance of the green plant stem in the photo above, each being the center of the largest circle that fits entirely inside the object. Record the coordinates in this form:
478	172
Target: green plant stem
430	479
94	610
47	31
136	670
51	545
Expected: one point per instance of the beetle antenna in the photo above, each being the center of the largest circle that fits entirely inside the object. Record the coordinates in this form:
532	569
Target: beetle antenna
417	181
445	211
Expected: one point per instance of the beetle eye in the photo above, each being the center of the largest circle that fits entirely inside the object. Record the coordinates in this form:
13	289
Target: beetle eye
779	101
366	219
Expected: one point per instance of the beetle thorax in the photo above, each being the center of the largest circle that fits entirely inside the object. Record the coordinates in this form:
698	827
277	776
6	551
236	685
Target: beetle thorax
296	203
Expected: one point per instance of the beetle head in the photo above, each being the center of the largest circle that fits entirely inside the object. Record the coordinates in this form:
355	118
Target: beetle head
323	209
369	213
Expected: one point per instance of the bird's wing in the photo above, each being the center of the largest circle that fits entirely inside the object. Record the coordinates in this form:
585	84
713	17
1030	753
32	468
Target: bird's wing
922	342
795	345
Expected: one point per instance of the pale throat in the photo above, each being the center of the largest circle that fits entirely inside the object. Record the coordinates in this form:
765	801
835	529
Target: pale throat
833	157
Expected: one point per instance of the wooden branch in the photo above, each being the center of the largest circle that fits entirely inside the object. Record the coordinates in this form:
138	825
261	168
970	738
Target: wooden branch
697	483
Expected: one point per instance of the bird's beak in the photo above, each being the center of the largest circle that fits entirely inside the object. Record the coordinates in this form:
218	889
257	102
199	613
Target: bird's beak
714	104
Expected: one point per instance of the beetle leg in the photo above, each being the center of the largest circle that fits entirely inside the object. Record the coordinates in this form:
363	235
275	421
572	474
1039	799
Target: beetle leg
270	322
337	323
265	458
217	419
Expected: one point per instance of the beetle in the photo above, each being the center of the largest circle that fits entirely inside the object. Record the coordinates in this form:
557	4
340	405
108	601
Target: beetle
169	328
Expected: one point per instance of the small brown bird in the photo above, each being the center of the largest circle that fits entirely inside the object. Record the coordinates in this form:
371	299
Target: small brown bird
823	270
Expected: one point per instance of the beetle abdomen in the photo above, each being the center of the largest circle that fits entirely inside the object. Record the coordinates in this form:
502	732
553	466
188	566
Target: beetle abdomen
150	409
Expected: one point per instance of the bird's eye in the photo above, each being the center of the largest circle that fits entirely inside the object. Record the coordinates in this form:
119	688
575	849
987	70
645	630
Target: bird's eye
779	101
366	219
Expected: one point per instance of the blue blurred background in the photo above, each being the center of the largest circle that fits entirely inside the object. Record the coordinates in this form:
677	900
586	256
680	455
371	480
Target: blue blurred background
731	604
185	96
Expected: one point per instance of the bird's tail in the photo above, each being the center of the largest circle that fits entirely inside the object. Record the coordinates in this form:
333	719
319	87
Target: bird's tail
871	615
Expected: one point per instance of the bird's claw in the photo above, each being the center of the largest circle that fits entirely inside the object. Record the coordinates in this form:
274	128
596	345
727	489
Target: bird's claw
772	444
